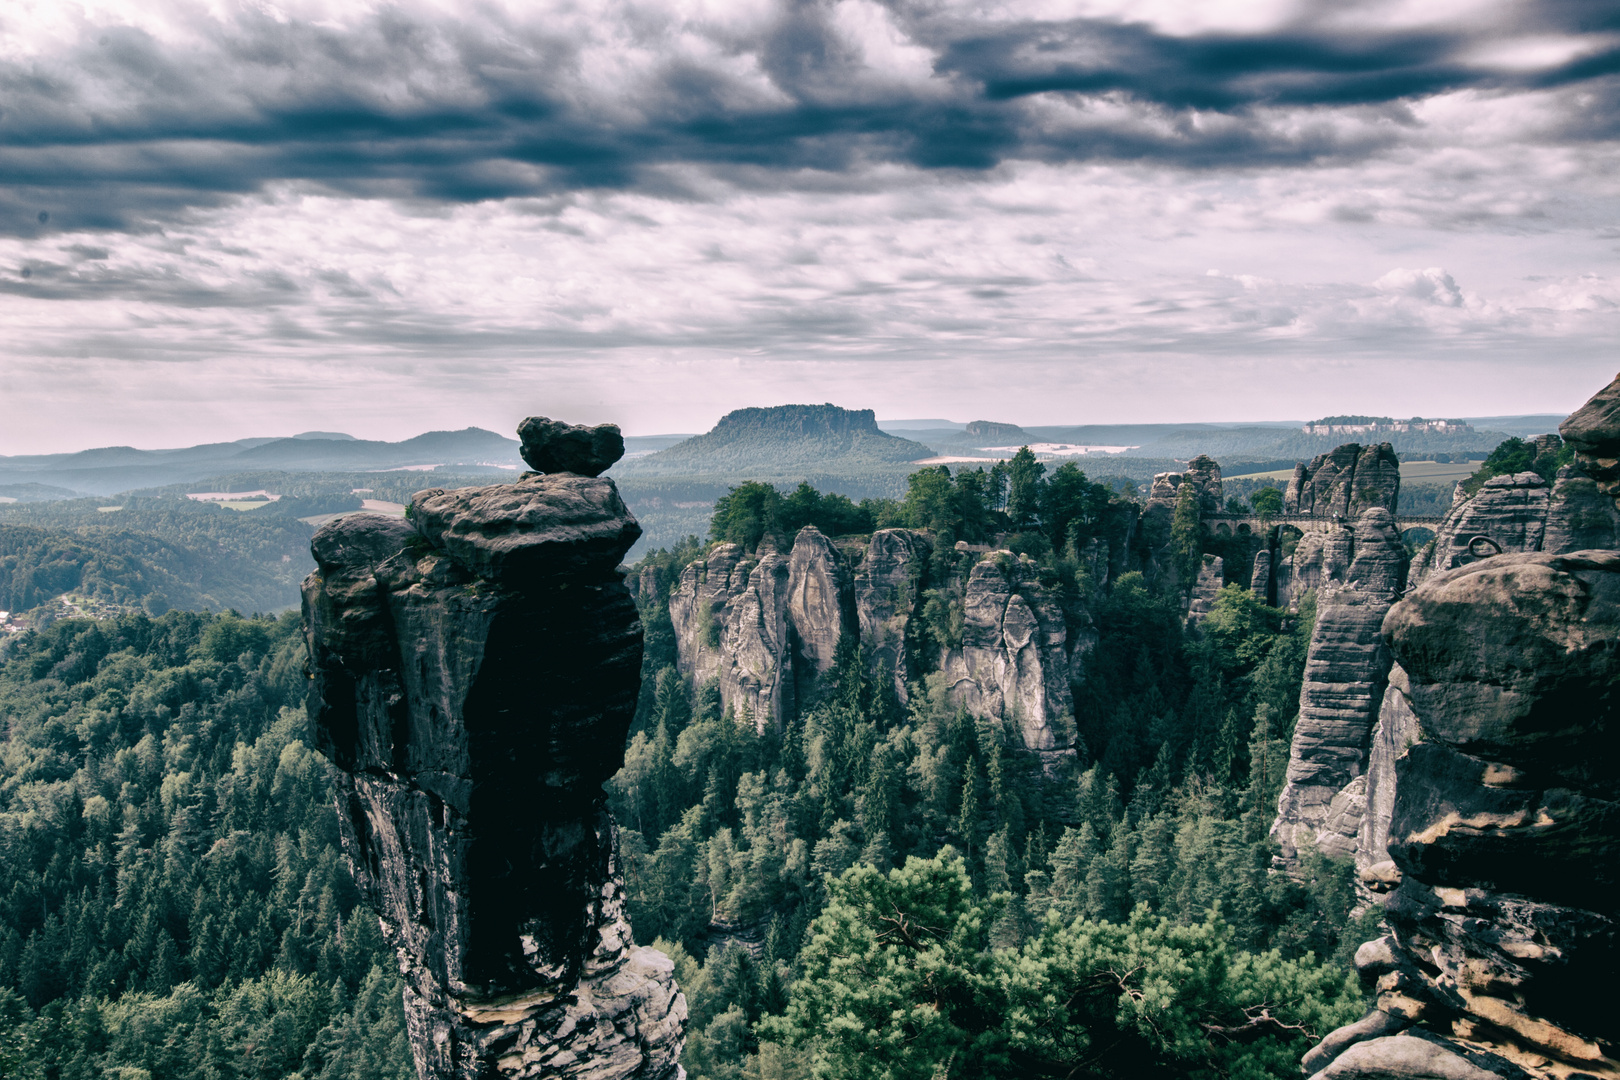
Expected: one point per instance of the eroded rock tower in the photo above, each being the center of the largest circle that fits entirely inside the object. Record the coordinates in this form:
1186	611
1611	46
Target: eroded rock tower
475	670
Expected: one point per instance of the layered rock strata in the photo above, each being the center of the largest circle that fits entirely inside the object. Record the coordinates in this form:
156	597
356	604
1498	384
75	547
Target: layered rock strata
1345	482
1203	473
1211	576
888	589
1346	672
730	614
1515	513
1503	832
474	673
1523	512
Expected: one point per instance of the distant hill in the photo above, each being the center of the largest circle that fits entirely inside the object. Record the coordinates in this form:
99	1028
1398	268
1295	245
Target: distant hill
108	470
782	440
992	433
124	568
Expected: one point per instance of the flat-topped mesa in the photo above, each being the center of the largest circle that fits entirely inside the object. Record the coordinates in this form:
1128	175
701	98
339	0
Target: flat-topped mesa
475	670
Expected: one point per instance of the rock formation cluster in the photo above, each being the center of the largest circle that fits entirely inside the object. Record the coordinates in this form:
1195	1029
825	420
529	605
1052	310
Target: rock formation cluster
1523	512
1492	816
1331	493
475	669
766	628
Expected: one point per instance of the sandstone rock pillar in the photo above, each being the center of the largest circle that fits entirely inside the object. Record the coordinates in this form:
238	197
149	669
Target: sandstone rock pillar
1346	670
474	672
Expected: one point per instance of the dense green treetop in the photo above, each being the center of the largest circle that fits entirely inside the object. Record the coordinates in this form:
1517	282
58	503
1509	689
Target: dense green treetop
173	904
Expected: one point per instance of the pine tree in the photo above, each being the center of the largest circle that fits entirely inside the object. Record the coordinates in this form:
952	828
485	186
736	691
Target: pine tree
967	819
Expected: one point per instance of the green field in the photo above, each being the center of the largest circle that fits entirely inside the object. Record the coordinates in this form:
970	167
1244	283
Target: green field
1429	471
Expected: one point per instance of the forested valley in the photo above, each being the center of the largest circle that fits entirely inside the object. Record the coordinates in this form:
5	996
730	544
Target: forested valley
877	889
173	903
873	861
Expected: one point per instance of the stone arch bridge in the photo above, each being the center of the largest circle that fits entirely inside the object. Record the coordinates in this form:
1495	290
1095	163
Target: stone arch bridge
1228	524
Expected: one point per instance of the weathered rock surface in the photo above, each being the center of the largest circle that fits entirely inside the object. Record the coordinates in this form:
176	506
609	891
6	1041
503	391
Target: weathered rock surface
1346	669
1594	428
1203	473
766	629
1578	511
551	446
474	676
1505	824
887	591
1337	487
1510	510
731	627
1013	664
820	611
1211	575
1396	729
1260	577
1345	482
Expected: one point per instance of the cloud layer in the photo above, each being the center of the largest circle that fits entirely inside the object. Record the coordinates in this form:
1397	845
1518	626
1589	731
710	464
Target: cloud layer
767	198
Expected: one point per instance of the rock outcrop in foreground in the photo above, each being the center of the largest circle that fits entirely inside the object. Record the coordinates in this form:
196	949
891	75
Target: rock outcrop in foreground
475	671
1346	669
1493	804
1504	830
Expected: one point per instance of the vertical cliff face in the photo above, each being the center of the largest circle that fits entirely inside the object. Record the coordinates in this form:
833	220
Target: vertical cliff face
767	630
887	592
1346	670
1211	576
1517	513
1013	661
474	675
730	617
821	609
1503	831
1345	482
1336	487
1493	810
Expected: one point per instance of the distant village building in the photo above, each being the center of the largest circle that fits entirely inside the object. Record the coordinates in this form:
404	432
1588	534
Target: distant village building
1379	425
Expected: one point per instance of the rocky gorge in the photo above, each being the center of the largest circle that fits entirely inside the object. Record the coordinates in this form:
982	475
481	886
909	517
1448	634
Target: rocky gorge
474	672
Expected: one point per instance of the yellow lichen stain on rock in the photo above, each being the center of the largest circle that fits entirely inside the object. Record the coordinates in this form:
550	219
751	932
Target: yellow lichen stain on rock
1502	776
1476	823
1537	1038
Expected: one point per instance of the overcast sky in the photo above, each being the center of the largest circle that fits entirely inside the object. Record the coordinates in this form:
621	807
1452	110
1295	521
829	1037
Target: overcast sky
233	219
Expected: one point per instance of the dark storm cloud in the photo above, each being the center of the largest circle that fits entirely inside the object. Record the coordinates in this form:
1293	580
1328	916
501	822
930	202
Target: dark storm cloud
120	129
